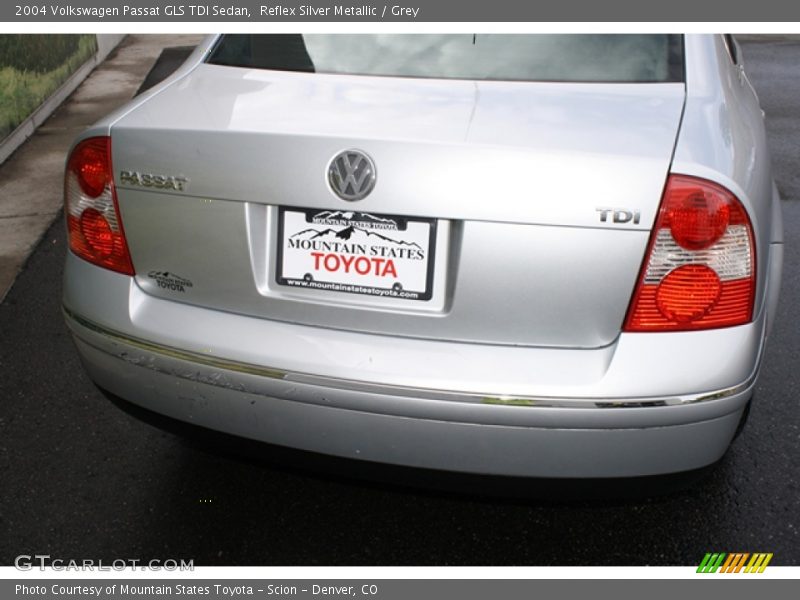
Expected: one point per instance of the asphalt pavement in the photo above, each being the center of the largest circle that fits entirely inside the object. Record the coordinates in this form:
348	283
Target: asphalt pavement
80	478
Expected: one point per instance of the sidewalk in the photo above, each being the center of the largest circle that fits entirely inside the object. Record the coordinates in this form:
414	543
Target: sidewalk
31	179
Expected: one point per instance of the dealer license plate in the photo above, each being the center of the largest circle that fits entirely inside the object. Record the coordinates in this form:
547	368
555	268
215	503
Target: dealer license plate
356	253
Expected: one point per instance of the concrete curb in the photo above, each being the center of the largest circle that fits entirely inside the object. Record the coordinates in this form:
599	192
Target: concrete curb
28	127
31	179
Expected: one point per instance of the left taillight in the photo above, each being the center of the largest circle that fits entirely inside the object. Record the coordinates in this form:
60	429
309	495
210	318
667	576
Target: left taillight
90	204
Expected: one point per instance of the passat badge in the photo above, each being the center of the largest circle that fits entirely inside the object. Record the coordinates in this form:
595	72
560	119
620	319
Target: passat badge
152	180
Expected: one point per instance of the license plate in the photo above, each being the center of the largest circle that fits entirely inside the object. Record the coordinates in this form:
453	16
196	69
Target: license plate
356	253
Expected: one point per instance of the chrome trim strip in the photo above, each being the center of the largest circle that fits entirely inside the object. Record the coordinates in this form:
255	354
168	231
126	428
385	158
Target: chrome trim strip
209	361
390	390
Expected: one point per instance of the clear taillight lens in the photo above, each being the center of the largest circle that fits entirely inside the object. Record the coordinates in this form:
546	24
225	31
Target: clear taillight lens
699	272
90	203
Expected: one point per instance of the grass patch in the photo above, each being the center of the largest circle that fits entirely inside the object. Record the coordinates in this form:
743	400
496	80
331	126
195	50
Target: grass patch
23	91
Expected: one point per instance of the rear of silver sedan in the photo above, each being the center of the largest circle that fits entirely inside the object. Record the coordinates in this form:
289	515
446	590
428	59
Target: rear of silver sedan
440	255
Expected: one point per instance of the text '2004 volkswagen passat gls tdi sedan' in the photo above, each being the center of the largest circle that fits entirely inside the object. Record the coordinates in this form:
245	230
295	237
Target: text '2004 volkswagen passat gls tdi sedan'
525	255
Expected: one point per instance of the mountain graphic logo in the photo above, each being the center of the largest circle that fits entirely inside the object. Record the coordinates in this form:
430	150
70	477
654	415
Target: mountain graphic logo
170	281
349	234
339	217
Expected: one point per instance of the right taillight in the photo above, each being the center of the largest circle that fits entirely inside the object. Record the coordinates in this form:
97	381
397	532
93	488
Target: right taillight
699	272
90	203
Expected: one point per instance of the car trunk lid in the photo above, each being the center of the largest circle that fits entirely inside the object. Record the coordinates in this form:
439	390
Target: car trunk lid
536	199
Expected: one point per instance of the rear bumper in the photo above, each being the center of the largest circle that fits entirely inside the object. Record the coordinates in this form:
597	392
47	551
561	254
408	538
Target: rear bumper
419	403
203	397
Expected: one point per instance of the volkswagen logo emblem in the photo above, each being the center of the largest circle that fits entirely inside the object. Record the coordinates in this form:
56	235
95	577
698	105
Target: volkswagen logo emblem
351	175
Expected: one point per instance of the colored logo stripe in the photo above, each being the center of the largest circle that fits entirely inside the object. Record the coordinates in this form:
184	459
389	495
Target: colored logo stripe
734	562
711	563
758	563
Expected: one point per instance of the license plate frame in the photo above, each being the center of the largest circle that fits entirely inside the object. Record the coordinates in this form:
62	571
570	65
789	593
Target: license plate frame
352	252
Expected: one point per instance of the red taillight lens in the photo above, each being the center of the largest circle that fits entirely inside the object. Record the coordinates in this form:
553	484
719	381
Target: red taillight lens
97	232
688	293
697	217
699	272
90	204
90	164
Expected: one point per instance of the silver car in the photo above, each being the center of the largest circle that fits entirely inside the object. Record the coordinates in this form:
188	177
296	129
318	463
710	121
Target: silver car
525	255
